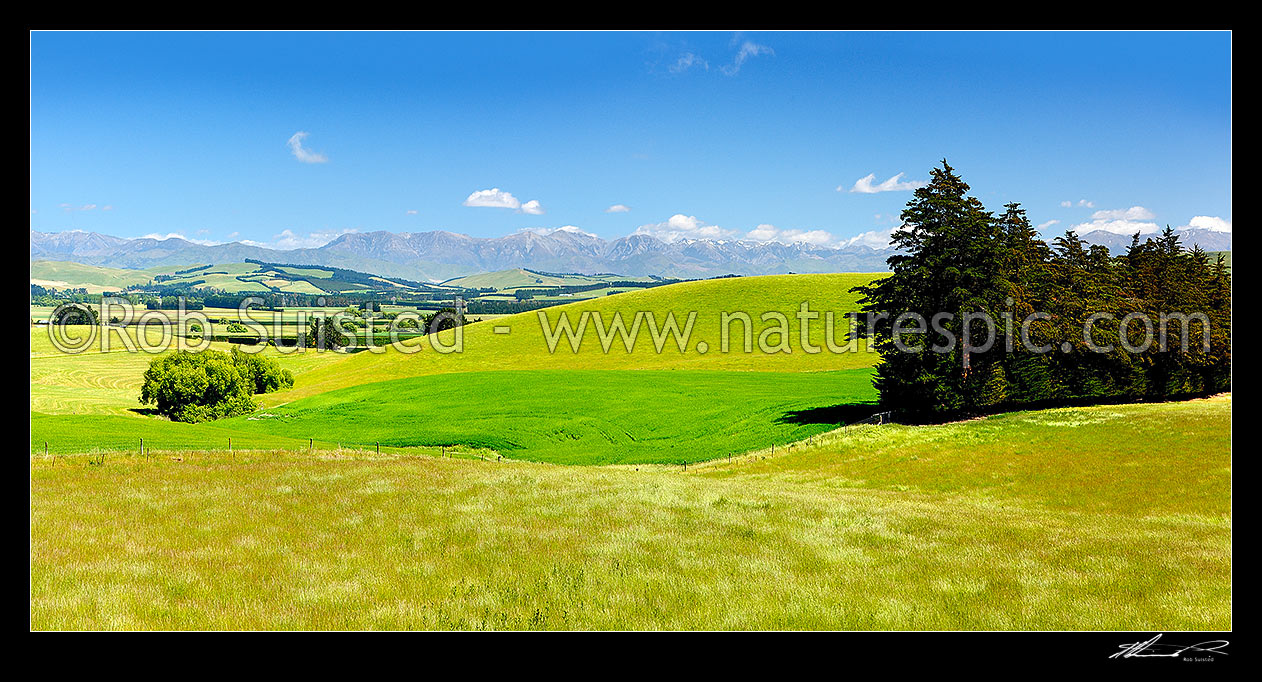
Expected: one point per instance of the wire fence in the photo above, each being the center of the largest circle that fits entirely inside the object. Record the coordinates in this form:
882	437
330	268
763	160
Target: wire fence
875	420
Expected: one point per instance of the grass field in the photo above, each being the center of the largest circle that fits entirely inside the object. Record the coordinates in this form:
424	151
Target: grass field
228	277
519	278
94	279
526	347
96	382
575	417
985	525
1110	517
578	416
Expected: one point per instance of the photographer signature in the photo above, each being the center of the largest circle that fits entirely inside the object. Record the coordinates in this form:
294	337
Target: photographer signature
1153	649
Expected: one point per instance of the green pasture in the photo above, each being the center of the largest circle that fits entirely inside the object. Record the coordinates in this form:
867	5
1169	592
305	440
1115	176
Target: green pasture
983	528
526	347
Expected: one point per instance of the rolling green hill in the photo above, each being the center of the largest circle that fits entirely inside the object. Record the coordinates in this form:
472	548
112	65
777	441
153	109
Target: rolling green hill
525	346
522	278
430	398
95	279
233	278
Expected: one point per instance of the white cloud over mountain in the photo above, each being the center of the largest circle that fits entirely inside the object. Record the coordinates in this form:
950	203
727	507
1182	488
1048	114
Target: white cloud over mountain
680	226
1205	222
498	198
771	233
288	239
1120	221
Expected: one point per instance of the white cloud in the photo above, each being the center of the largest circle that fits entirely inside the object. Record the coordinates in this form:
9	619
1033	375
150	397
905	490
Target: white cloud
1044	226
865	185
86	207
1205	222
618	208
873	239
1081	202
771	233
1126	227
288	239
411	211
746	51
178	235
680	226
1132	213
688	60
563	228
497	198
1120	221
302	153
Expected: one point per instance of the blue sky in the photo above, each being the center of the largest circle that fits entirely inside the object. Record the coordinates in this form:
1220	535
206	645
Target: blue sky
758	135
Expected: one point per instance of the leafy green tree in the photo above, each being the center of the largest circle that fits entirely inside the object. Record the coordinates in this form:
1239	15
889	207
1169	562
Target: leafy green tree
444	318
75	314
324	333
196	387
263	374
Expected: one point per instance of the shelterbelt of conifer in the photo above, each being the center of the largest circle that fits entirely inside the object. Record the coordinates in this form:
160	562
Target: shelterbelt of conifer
980	313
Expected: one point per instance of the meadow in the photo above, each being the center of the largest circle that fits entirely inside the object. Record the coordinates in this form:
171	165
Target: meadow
578	416
426	490
108	383
981	529
519	278
100	382
526	346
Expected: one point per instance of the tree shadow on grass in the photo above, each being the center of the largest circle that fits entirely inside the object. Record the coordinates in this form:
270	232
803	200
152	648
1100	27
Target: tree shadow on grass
145	411
833	414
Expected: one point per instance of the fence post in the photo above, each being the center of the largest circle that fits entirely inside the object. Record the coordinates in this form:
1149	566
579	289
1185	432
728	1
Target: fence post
142	447
230	455
310	445
378	447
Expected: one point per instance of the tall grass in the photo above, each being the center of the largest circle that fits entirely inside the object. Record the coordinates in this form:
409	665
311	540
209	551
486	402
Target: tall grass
997	531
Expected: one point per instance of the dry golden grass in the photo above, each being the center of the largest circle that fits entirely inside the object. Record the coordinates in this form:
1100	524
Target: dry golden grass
976	529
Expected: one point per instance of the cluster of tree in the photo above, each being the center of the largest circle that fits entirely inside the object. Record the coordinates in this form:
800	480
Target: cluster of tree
483	307
327	332
340	276
51	296
79	314
172	303
198	387
1063	314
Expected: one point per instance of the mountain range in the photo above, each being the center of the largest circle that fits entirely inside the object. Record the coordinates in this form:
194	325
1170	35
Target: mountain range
440	255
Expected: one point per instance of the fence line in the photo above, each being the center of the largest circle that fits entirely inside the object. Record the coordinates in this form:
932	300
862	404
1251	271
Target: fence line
877	419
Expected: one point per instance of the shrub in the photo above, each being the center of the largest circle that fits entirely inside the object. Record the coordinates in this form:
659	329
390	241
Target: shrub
75	313
263	373
198	387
